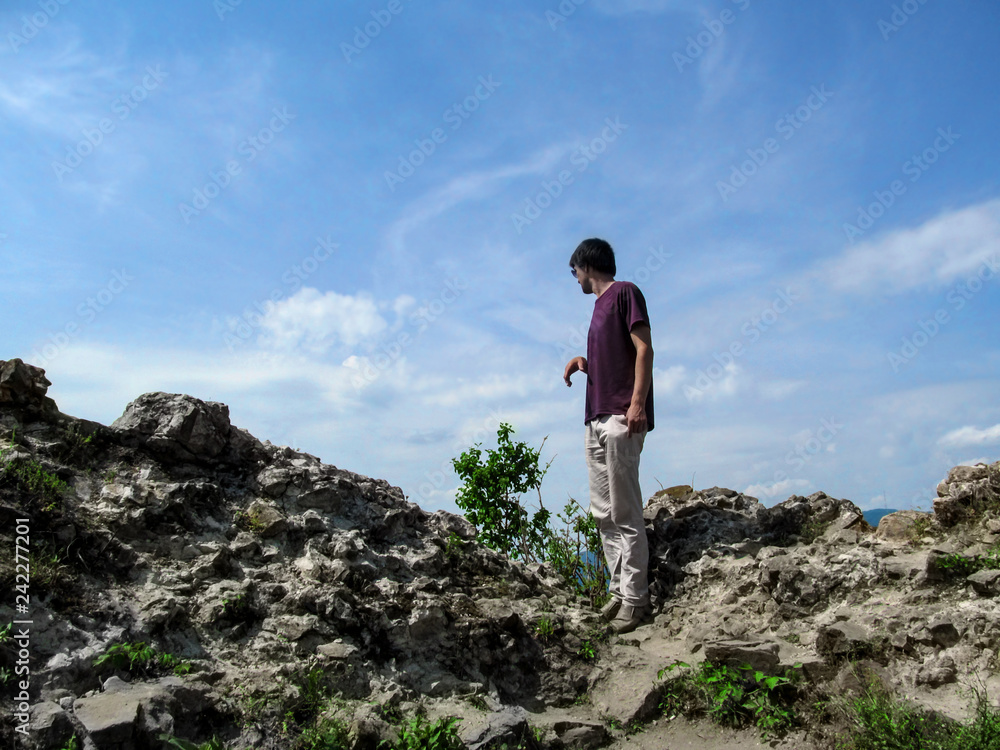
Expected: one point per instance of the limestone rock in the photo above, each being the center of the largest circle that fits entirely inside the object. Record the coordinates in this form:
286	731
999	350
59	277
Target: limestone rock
985	582
50	726
23	385
900	527
761	655
179	428
964	489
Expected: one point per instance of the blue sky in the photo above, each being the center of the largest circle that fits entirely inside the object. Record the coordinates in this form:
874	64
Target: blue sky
351	222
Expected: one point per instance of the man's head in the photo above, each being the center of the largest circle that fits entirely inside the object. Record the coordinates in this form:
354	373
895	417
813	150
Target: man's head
594	254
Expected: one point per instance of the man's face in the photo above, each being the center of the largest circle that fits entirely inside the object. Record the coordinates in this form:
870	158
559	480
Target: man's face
582	276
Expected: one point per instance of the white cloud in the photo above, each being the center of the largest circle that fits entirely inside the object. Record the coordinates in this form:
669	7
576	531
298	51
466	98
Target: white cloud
713	387
318	321
780	389
967	436
953	245
669	380
784	487
465	187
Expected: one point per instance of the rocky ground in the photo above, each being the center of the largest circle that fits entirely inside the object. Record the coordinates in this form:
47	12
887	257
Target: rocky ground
275	580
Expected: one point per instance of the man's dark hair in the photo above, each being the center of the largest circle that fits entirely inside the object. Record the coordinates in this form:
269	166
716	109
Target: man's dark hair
596	254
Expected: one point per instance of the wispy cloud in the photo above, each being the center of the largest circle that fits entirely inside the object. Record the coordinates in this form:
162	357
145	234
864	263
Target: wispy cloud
951	245
965	437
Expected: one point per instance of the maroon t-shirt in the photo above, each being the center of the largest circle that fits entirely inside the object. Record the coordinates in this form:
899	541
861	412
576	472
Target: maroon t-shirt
611	353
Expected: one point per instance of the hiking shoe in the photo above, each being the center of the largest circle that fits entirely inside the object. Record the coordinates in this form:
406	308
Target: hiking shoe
630	617
609	610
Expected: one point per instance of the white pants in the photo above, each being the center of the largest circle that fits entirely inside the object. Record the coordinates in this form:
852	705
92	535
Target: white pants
616	502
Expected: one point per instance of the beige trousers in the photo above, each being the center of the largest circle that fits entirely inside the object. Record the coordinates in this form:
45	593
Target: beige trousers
616	503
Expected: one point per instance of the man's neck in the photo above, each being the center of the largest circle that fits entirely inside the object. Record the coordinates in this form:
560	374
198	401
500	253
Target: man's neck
600	285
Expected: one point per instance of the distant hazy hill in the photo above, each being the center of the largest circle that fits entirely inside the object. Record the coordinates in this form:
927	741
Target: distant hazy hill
874	516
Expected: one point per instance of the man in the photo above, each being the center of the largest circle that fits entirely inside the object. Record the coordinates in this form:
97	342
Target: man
618	414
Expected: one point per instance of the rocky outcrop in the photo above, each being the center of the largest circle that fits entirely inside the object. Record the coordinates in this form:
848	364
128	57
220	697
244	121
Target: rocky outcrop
966	490
271	577
23	385
257	564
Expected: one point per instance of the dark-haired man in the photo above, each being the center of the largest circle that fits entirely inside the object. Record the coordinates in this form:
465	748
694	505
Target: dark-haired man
618	414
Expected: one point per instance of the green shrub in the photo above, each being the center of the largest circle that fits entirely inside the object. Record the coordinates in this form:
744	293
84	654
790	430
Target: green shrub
325	734
544	629
731	697
491	496
962	566
140	659
494	481
237	609
877	720
421	734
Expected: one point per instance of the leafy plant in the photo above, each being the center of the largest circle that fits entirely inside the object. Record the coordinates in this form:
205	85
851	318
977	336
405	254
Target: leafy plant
731	697
73	744
453	547
587	652
544	629
249	522
237	609
140	659
494	481
33	479
421	734
491	496
325	734
962	566
75	446
877	720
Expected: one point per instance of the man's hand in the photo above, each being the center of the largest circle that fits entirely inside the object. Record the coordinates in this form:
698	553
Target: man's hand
636	418
577	364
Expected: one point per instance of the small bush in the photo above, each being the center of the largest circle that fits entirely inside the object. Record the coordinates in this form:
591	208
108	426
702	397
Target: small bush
877	720
237	609
140	659
731	697
544	629
490	497
421	734
961	566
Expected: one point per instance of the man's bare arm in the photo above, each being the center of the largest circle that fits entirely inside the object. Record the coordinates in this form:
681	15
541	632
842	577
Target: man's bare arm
577	364
636	415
